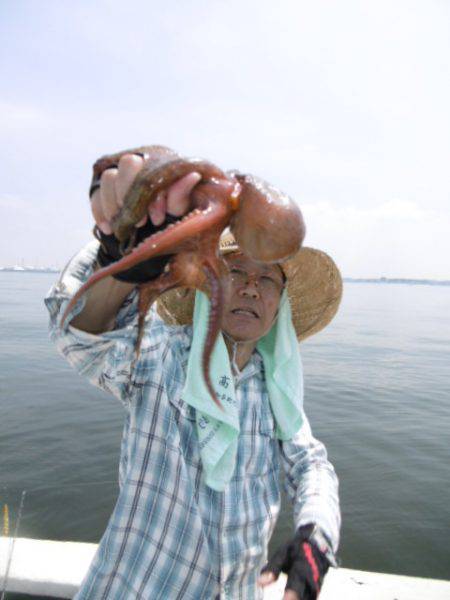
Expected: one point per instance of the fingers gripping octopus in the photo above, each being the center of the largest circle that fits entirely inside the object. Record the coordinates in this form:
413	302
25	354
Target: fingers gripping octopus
268	227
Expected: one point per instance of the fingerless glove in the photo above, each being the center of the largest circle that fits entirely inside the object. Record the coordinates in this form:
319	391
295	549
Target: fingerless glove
304	563
145	271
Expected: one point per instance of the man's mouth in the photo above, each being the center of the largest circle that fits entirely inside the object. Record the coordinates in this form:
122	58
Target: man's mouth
248	312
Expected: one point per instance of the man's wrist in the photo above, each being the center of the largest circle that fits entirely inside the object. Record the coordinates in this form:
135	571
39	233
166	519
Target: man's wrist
316	536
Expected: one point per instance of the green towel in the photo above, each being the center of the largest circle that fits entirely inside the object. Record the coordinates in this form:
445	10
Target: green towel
218	430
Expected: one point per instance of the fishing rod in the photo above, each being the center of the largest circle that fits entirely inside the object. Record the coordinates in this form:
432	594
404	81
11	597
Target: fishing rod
12	542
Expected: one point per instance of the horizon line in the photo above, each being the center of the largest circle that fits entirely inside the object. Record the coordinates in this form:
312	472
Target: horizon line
411	280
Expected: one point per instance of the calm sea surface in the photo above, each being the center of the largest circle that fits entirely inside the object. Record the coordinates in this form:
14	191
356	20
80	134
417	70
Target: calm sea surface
377	393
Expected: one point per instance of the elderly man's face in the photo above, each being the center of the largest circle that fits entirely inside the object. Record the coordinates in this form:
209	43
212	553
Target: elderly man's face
252	296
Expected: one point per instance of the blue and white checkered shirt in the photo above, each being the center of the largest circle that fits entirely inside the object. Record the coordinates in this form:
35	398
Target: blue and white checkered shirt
170	536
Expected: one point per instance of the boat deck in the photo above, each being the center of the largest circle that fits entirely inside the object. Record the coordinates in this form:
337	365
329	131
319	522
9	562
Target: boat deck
44	567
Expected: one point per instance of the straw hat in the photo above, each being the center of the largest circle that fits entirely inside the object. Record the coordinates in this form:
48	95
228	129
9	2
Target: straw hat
314	287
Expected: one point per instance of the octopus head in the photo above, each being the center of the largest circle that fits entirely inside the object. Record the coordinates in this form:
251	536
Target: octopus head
268	226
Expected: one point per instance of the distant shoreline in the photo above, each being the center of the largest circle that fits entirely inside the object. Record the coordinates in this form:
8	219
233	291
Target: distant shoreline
28	270
397	280
345	279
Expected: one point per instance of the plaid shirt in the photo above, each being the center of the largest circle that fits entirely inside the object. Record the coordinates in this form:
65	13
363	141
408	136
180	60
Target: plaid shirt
170	536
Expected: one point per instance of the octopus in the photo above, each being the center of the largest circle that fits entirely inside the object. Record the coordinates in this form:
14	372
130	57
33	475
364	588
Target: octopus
268	227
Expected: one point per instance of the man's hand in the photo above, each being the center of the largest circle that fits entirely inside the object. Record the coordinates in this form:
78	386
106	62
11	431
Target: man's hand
107	200
105	298
304	564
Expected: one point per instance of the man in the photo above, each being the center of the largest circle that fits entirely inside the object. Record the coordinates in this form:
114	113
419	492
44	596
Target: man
199	490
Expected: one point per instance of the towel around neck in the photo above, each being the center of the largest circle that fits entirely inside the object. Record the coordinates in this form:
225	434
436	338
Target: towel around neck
218	430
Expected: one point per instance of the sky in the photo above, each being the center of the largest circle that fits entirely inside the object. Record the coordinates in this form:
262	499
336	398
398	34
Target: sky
343	105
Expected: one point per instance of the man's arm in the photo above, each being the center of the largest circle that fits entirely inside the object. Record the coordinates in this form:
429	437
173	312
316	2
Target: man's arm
103	302
311	483
99	335
102	358
312	486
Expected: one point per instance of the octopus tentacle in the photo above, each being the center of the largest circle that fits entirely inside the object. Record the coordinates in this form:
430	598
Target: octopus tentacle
148	292
149	182
127	247
214	322
162	242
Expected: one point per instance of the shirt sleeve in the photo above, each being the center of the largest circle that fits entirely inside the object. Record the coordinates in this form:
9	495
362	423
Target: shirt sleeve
104	359
311	483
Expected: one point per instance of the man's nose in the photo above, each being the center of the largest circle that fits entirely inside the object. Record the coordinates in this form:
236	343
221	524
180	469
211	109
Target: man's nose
250	289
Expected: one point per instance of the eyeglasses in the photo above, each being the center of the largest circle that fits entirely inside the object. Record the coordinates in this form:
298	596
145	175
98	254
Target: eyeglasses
266	282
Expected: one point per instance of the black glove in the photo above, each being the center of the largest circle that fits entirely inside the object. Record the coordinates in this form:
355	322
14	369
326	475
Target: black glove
303	562
147	270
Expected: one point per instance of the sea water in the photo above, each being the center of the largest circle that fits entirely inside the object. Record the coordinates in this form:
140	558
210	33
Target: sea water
376	392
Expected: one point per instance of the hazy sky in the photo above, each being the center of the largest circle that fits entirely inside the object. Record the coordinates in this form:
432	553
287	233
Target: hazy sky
342	104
